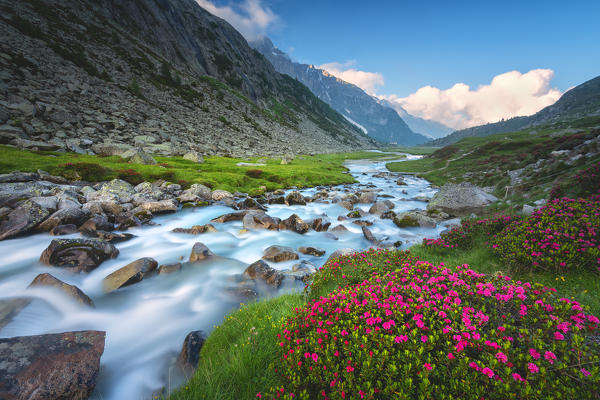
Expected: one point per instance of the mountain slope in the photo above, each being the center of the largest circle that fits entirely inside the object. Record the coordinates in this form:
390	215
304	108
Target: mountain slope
581	101
426	127
381	123
164	75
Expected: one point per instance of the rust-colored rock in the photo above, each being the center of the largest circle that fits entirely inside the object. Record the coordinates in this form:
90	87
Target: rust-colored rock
48	367
47	280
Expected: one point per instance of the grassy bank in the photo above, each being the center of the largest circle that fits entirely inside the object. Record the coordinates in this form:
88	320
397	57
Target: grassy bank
485	161
215	172
416	150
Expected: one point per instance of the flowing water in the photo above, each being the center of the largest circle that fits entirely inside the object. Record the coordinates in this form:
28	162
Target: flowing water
146	323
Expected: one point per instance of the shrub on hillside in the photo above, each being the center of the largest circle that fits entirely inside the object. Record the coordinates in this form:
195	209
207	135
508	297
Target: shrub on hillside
254	173
90	172
425	331
588	180
131	176
562	235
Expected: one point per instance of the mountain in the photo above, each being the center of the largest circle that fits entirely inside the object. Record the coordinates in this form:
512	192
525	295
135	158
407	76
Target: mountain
164	75
581	101
380	122
426	127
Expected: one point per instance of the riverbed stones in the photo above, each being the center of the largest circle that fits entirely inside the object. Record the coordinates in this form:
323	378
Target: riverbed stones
278	253
200	252
367	197
319	225
235	216
22	219
195	193
63	230
460	199
313	251
112	237
96	223
250	204
65	216
194	156
53	366
47	280
132	273
138	156
369	235
414	218
339	229
346	204
189	356
295	198
362	222
196	229
82	255
260	220
169	268
379	208
221	195
340	253
157	207
261	271
294	223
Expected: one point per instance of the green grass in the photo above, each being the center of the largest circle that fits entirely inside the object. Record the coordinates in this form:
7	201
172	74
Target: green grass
215	172
236	362
416	150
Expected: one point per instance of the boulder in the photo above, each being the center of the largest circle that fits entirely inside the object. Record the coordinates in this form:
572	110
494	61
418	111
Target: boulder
78	254
260	220
96	223
369	235
367	197
9	308
413	218
313	251
236	216
339	229
131	273
220	195
319	225
196	229
169	268
294	223
279	253
389	203
340	253
261	271
189	356
63	230
137	156
47	280
109	207
110	148
200	252
195	193
250	204
112	237
362	222
379	208
22	219
356	214
345	204
125	221
193	156
157	207
460	199
295	198
65	216
388	215
47	367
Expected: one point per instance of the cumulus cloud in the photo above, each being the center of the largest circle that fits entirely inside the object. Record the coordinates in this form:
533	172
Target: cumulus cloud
367	81
508	95
250	18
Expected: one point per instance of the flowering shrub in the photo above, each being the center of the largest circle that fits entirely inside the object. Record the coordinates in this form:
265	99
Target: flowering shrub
564	234
429	332
588	179
90	172
464	235
130	175
352	269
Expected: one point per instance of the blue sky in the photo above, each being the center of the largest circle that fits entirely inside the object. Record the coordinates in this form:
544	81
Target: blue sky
413	45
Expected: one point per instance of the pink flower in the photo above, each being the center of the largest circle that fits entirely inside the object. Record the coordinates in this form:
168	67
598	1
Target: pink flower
558	336
315	357
501	357
427	366
401	338
349	368
534	354
488	372
518	377
451	356
585	372
423	338
550	356
533	368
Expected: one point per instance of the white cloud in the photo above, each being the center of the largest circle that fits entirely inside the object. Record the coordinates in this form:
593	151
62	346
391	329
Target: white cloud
250	18
367	81
508	95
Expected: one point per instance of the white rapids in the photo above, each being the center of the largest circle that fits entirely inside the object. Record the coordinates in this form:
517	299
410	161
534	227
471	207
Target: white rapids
146	323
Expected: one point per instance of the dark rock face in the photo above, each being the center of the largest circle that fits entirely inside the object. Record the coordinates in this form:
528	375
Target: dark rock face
131	273
200	252
63	230
279	254
196	229
260	220
294	223
295	198
250	204
236	216
22	219
65	216
190	352
260	270
48	367
319	225
369	235
112	237
78	254
72	291
96	223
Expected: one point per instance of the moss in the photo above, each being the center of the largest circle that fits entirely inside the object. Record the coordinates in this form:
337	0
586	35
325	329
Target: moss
406	221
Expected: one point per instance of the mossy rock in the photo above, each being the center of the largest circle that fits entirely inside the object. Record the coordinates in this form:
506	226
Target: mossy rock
405	222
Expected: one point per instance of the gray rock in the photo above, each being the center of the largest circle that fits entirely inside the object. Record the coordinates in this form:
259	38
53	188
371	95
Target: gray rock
53	366
65	216
319	225
295	198
279	253
219	195
169	268
340	253
260	220
236	216
294	223
190	352
339	229
196	229
313	251
200	252
63	230
96	223
367	197
527	209
413	218
9	308
47	280
195	193
111	148
78	254
194	156
137	156
22	219
379	208
460	199
261	271
369	235
157	207
128	275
